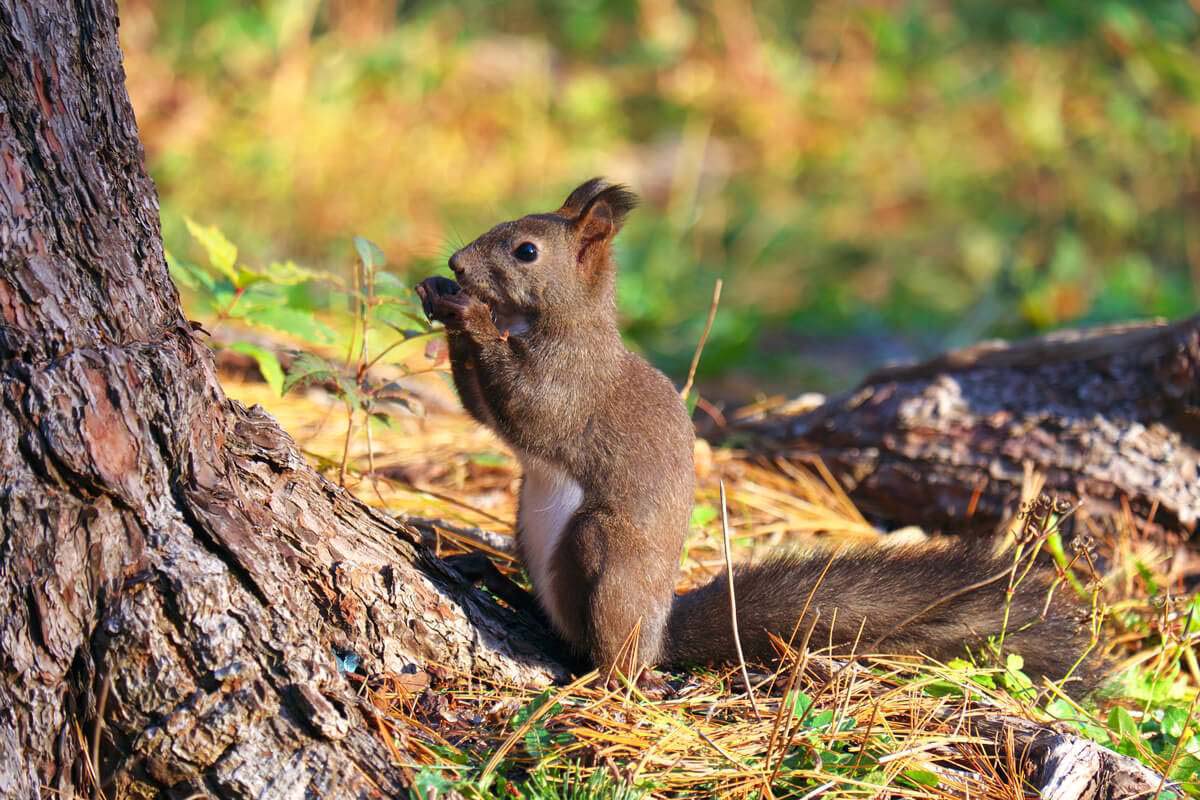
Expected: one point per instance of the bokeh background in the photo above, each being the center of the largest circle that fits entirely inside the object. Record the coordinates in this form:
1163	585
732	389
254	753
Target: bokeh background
873	180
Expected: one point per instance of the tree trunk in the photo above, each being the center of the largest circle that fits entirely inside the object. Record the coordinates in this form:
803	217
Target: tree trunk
175	581
1110	415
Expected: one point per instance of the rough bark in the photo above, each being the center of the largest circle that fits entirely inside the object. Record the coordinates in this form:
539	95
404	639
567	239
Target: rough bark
1110	415
174	580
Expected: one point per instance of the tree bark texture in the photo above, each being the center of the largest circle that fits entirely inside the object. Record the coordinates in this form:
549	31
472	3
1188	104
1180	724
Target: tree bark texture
1107	415
174	580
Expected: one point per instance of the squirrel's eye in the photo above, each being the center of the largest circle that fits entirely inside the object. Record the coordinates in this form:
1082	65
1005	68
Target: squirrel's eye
526	251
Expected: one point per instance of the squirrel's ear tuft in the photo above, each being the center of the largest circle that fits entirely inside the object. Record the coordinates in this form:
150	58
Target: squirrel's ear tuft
598	222
581	196
620	200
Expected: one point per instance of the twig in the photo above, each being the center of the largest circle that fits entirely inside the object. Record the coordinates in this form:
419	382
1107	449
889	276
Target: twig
819	790
364	363
346	445
737	641
712	314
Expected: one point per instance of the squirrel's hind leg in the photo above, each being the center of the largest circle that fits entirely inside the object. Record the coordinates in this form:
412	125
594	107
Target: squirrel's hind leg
620	600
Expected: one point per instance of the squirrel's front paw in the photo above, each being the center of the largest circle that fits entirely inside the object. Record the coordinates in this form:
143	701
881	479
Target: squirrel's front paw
462	312
431	290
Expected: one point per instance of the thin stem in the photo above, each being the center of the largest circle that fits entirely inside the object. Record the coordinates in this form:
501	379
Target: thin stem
225	313
737	641
712	314
396	344
346	444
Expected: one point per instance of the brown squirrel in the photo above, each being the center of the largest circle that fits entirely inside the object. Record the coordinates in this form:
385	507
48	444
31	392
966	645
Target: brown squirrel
605	445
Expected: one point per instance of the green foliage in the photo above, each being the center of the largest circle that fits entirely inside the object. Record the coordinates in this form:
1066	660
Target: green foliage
931	172
228	289
283	297
1159	735
539	741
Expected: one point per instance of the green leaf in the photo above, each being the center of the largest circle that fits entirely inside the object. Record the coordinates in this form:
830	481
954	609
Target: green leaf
412	316
1016	681
1147	575
308	368
180	272
799	702
189	275
247	277
1120	721
369	253
289	273
348	391
922	777
430	783
388	284
393	312
529	708
822	720
984	679
1173	721
875	777
289	320
942	688
1061	709
1186	768
268	364
382	419
222	253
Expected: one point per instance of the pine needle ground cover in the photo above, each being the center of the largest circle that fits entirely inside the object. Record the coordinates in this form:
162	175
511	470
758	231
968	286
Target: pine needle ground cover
816	726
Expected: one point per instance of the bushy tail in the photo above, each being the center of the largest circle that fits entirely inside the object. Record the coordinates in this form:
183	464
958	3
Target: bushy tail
933	601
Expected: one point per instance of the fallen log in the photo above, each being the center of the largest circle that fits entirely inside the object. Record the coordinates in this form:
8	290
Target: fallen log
1108	415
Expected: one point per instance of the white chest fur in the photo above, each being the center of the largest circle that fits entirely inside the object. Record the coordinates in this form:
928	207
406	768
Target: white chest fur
549	498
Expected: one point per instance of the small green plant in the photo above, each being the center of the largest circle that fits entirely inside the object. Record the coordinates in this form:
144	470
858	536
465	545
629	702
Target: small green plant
226	289
382	322
379	299
540	741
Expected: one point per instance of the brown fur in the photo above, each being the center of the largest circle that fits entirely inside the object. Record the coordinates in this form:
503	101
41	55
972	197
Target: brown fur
537	357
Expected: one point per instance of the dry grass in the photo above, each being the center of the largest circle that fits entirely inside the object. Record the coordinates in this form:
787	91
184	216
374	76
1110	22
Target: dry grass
895	729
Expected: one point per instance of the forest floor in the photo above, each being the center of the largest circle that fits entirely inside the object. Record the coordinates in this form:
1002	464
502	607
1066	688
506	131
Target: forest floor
891	728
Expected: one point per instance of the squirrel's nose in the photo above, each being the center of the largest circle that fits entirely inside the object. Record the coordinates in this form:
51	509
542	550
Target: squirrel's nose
456	264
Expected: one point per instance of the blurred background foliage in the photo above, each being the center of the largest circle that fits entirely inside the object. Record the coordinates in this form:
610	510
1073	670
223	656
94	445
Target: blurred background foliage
874	180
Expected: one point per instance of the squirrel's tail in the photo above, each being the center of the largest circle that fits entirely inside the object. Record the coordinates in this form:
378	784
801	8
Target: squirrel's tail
926	600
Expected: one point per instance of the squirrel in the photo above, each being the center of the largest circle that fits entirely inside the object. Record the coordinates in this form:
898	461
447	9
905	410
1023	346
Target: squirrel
605	446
